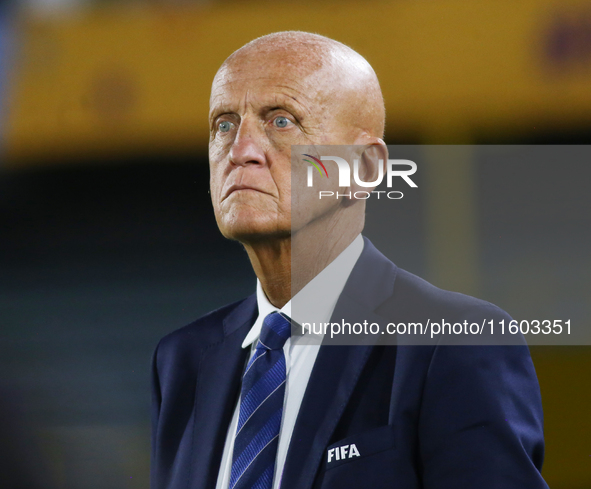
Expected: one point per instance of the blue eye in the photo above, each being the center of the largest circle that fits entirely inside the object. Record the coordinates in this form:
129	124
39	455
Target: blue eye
281	121
225	126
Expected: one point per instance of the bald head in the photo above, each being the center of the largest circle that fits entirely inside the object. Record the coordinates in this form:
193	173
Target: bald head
340	80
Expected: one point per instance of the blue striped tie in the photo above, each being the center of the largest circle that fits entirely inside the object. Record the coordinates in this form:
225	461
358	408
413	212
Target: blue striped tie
261	407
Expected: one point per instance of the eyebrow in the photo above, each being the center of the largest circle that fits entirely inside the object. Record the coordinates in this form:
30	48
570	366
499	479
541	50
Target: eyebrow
286	104
292	109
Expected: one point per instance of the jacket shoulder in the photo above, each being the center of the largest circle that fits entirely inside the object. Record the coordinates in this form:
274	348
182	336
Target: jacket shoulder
395	292
414	296
209	328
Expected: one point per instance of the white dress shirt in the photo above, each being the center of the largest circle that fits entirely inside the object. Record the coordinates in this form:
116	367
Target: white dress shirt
320	297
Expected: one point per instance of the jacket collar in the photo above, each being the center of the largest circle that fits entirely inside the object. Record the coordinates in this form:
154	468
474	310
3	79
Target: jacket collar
244	313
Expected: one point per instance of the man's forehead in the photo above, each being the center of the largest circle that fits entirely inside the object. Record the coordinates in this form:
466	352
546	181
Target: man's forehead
291	63
260	70
277	83
298	56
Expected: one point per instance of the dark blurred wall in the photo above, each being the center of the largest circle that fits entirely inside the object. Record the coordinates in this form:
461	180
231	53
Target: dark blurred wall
97	263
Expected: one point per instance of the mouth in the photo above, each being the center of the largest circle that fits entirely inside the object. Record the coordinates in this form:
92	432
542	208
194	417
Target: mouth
240	188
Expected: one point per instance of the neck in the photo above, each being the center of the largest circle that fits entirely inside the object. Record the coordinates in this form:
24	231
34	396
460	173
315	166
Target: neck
271	262
284	266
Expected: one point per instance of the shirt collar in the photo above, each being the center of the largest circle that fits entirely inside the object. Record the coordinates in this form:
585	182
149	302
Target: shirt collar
317	300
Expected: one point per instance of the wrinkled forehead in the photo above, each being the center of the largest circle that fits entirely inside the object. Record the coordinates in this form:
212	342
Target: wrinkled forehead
272	71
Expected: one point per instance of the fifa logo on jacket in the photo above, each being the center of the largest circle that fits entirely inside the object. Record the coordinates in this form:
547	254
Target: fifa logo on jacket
340	453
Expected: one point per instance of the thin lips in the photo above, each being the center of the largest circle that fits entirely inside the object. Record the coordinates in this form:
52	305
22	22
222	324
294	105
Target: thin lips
240	187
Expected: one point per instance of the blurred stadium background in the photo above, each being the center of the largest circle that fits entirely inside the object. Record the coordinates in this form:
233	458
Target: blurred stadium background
107	239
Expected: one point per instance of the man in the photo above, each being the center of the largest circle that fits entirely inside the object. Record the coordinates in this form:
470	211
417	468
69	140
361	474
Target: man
239	403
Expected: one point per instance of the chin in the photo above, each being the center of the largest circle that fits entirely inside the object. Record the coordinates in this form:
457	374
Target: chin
249	228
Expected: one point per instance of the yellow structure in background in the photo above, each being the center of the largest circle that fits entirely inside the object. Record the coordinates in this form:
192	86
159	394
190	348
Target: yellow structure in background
137	78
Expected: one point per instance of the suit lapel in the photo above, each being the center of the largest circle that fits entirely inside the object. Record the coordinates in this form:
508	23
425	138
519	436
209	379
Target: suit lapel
218	387
337	369
332	381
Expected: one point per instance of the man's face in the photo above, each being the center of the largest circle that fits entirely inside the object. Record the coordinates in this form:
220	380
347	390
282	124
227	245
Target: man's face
260	106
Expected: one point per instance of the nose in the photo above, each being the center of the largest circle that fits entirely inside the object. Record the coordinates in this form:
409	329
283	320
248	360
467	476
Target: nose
248	146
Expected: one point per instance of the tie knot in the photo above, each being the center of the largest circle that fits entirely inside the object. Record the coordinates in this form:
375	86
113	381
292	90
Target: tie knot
275	331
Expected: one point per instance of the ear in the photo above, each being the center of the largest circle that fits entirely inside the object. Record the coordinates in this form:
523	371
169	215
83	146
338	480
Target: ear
371	159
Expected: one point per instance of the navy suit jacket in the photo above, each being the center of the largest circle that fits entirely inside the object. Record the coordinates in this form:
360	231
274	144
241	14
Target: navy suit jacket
432	417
